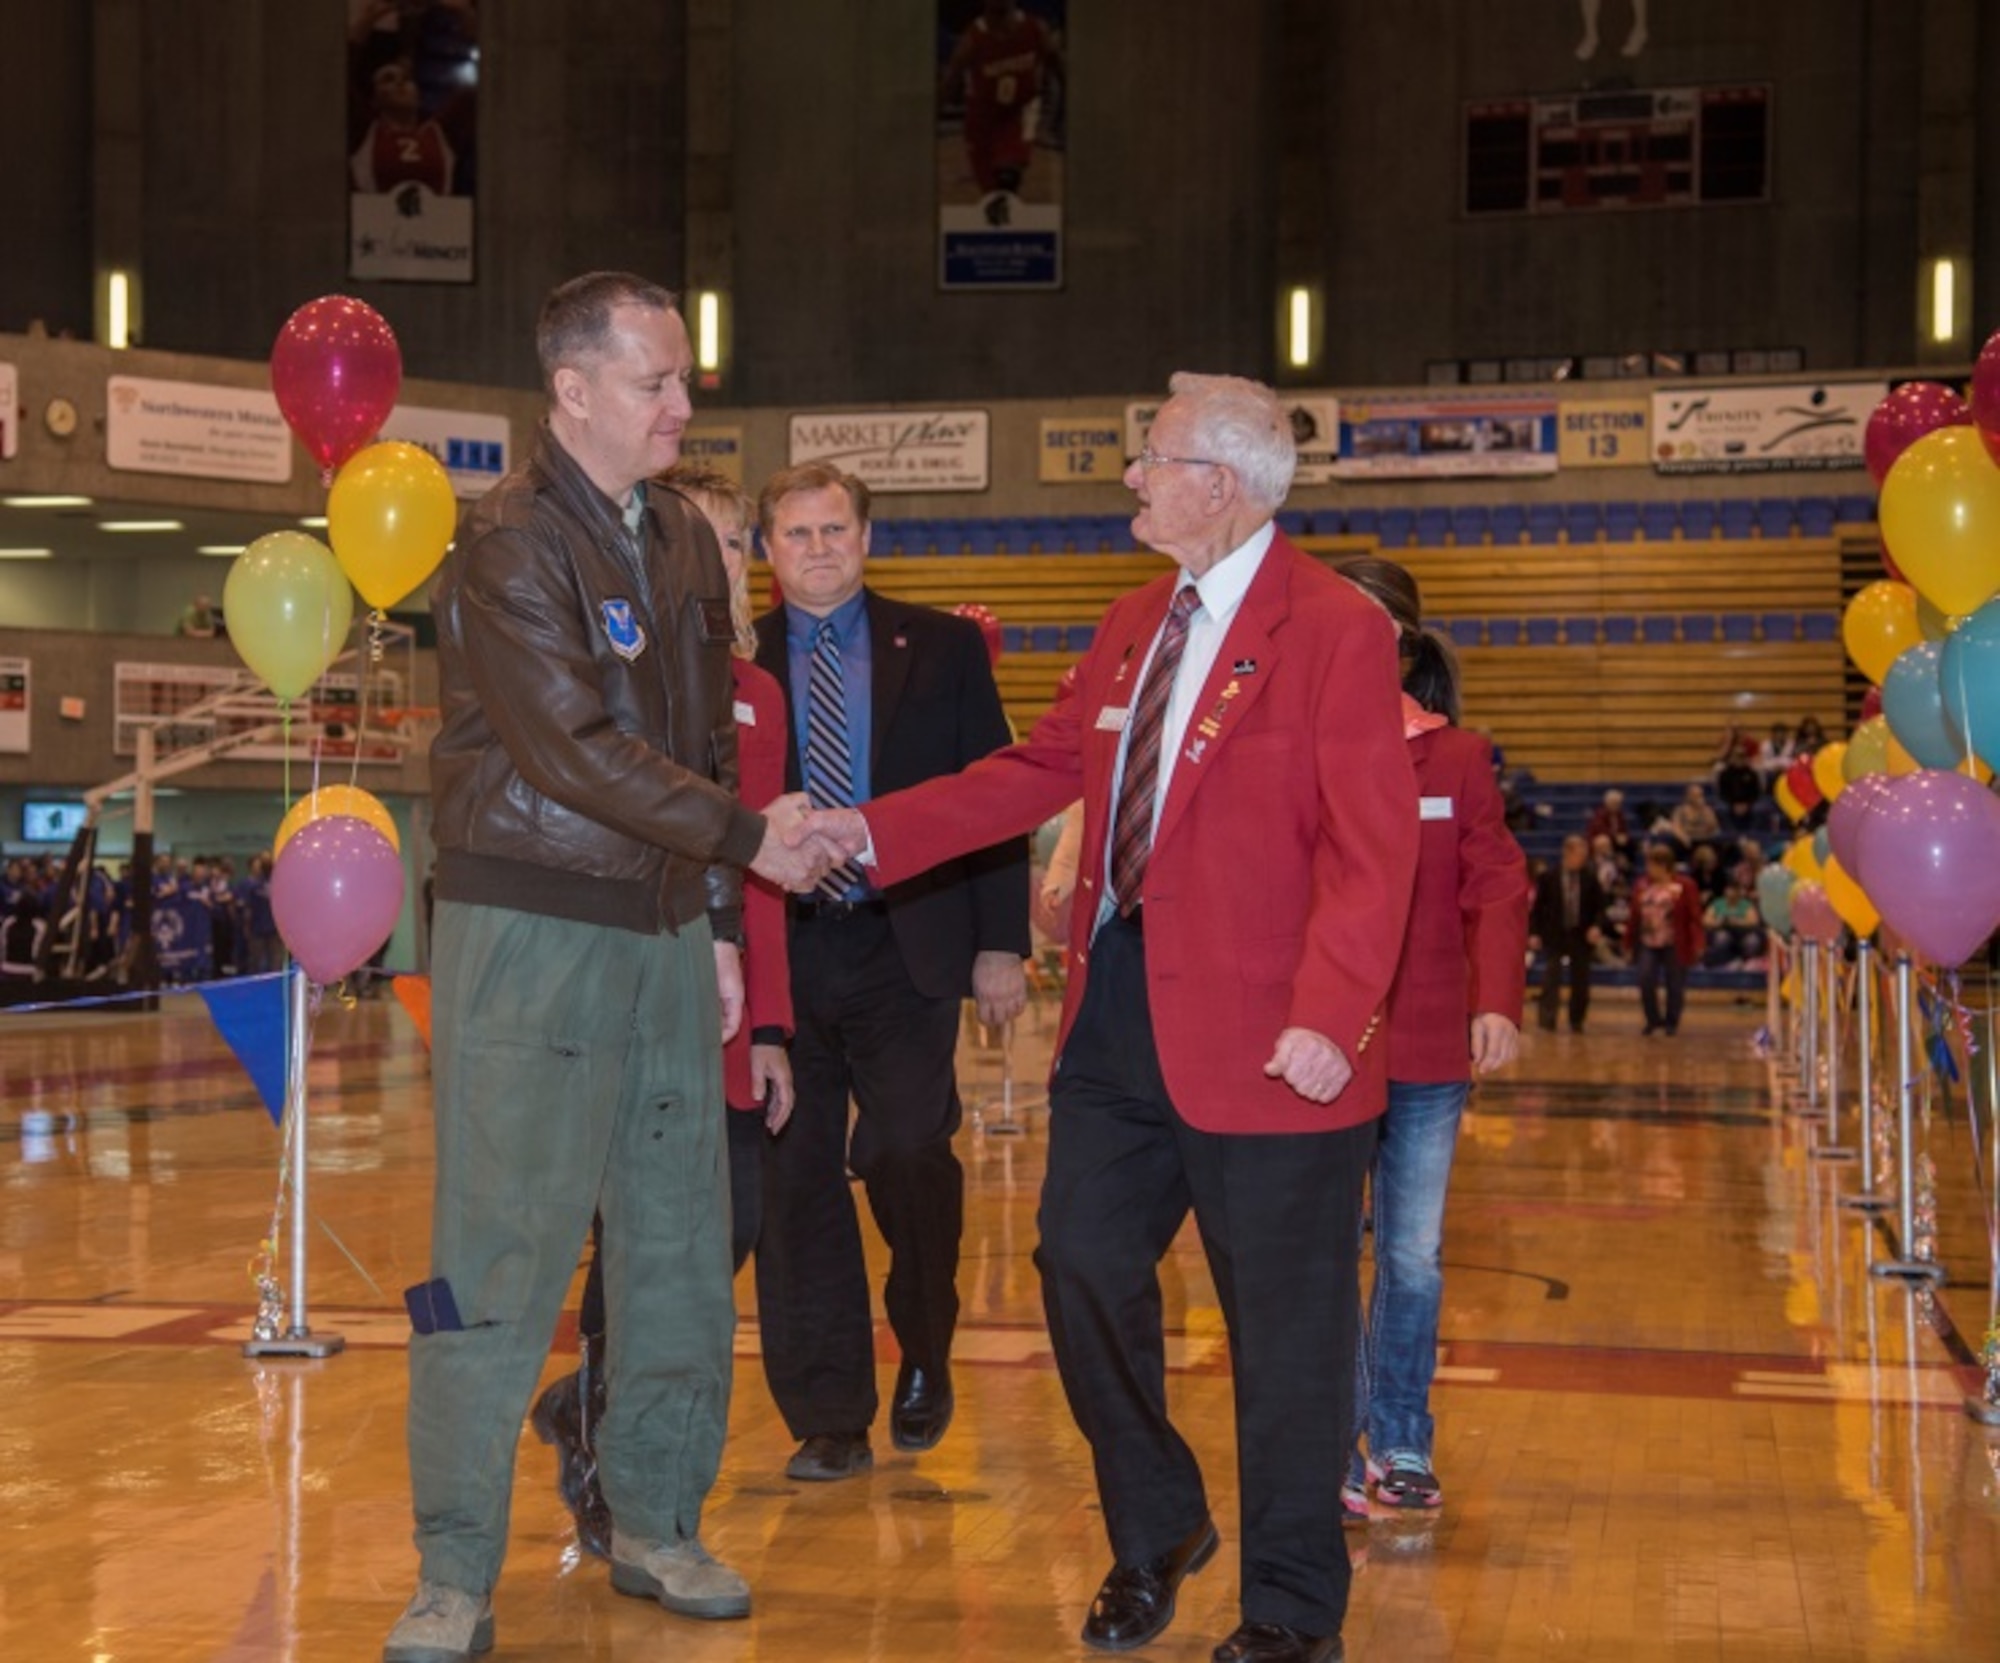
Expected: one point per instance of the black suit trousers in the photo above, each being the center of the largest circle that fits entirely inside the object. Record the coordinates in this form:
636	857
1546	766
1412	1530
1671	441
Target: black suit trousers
1279	1218
1567	955
862	1031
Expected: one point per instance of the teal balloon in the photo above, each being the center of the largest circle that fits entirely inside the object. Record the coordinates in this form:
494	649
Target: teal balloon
1822	845
1913	702
1969	682
1774	897
288	606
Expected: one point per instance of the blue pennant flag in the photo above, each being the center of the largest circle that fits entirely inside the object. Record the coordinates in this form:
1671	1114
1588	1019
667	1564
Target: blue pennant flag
250	1016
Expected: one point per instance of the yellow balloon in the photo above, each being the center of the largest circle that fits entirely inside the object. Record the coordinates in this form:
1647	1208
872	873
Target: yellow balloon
1935	624
1867	749
390	517
1879	627
1800	860
1849	899
1900	761
336	799
1788	799
1940	515
1973	768
1826	769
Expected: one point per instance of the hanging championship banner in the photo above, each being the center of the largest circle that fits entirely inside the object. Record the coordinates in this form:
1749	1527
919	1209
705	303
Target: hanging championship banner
1763	429
1000	156
412	105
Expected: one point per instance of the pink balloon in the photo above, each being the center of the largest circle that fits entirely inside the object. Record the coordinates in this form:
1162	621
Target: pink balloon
1904	417
1871	702
336	370
1986	395
989	626
1847	815
1813	915
336	892
1928	854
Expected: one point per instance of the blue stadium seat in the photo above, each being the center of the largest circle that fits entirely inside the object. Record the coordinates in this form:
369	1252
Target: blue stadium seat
1465	632
1508	522
1780	626
1295	522
1013	638
1504	632
891	538
1545	522
1079	637
1045	638
1584	521
1818	516
1774	517
1580	632
1619	630
1363	522
1735	518
1544	632
1469	524
1855	510
1698	517
1739	626
948	536
1621	522
1656	631
982	537
1433	527
1328	522
1819	626
1698	626
1660	522
1398	524
1115	532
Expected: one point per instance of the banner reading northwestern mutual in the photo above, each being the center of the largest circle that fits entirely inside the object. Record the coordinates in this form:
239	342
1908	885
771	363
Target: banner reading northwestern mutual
412	95
195	428
898	450
1002	113
1762	429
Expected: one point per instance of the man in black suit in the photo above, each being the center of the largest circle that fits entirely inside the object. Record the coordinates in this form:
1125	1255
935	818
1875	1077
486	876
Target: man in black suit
880	695
1566	923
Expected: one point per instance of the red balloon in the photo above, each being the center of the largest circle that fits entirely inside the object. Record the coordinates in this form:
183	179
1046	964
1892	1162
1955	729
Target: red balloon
336	370
1804	787
989	625
1871	707
1905	416
1986	395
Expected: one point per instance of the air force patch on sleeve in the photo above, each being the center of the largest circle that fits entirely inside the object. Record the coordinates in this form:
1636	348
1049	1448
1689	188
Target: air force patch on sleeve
622	630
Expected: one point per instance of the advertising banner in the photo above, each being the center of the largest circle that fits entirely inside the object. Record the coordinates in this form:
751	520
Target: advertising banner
195	429
472	447
1315	429
1446	438
899	450
10	402
1763	429
14	674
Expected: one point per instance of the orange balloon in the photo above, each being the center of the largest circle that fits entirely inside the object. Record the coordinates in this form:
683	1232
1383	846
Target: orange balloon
1880	625
336	799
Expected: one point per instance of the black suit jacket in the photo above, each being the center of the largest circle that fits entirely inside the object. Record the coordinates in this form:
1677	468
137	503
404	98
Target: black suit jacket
1546	918
935	709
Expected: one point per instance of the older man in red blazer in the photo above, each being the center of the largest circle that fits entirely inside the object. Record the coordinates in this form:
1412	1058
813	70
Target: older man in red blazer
1237	740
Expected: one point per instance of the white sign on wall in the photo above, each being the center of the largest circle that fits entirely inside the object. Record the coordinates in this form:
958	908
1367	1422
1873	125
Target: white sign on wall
14	706
10	406
898	450
195	429
473	448
1761	429
1315	430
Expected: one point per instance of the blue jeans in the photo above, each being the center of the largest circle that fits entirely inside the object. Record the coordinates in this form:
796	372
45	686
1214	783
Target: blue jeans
1398	1352
1661	967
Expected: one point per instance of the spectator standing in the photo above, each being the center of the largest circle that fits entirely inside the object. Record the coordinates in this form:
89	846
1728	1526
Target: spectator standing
1566	923
1666	939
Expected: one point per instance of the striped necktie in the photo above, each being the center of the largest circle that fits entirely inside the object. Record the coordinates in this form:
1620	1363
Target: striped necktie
829	760
1132	831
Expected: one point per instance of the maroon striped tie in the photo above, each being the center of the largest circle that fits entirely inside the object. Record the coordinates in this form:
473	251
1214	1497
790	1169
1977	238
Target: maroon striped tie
1132	832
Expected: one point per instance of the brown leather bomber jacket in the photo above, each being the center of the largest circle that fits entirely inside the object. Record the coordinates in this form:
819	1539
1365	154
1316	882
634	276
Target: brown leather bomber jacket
585	767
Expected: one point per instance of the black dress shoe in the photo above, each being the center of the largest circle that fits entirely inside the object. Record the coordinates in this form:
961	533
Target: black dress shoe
1137	1601
1271	1643
826	1456
921	1408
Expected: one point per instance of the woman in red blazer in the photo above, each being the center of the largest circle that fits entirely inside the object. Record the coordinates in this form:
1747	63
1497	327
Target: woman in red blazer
1455	1007
1664	936
756	1070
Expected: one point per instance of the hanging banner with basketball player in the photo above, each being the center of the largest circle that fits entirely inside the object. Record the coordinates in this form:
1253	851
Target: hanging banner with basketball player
412	108
1001	118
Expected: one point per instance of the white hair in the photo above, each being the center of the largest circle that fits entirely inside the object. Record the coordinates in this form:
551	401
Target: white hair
1241	424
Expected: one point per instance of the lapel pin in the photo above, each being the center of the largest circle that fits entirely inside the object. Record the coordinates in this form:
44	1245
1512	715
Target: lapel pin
1246	666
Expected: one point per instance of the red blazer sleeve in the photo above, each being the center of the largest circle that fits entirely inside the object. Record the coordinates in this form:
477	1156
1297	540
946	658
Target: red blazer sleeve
1493	893
760	755
1690	938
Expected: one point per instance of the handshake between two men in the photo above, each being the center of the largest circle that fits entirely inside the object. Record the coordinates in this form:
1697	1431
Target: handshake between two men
802	844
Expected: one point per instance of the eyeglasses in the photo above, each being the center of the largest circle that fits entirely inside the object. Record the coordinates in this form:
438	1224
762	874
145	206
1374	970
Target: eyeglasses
1149	459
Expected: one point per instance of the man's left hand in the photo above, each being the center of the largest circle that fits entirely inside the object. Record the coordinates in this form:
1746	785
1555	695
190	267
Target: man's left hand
1311	1064
729	987
999	987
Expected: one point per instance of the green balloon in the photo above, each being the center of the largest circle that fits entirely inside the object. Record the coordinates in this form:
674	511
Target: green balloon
1867	749
288	605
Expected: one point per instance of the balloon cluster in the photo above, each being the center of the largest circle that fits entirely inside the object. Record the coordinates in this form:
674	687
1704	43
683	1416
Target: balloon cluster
1911	826
337	882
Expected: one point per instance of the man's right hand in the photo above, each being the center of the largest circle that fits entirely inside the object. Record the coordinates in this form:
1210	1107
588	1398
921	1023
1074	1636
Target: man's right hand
790	856
843	830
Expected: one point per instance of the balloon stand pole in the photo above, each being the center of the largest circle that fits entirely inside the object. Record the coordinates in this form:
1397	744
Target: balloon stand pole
1805	1096
1004	1125
1866	1201
1776	1022
1913	1270
1833	1149
298	1339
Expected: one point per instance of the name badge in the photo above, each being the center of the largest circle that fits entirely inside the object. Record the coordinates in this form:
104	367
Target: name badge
1433	808
1112	718
717	622
745	716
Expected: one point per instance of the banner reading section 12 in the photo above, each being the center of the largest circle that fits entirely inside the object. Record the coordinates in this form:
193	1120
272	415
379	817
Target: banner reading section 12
412	124
1002	110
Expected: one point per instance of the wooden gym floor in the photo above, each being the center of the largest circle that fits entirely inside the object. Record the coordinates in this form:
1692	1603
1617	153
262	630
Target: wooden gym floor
1677	1416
